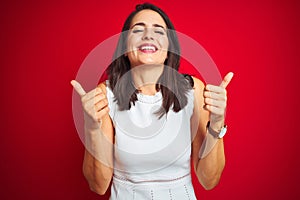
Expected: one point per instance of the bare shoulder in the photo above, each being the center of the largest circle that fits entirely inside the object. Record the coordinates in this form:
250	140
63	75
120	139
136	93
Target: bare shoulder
198	84
198	93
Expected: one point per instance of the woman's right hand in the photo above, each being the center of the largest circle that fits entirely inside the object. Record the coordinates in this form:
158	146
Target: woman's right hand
94	103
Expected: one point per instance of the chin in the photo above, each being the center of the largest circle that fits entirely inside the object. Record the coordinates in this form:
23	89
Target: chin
152	61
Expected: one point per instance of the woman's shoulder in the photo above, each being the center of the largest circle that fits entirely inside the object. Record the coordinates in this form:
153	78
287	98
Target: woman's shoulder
199	87
198	84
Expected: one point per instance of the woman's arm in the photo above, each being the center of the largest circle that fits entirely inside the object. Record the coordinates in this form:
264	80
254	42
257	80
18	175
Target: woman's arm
99	138
98	157
208	168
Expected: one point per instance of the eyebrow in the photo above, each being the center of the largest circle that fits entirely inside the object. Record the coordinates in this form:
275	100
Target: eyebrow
143	24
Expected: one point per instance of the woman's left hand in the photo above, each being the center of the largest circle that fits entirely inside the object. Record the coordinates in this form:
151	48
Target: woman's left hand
215	99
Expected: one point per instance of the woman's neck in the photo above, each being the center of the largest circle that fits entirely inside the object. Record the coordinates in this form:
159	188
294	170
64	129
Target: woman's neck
145	77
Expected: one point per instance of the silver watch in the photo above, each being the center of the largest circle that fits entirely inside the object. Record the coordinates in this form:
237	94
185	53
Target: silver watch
217	134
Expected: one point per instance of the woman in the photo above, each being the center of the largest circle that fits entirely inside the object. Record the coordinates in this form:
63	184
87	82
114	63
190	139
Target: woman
144	91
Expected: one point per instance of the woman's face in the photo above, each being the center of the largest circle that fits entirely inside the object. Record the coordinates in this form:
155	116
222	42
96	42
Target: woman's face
147	39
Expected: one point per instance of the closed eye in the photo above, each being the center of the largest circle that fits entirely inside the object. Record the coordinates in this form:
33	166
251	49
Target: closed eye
159	32
137	31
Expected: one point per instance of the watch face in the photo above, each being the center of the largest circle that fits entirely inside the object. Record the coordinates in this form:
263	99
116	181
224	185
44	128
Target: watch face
222	132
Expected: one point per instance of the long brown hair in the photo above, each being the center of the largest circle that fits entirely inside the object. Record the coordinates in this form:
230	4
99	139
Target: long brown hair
173	86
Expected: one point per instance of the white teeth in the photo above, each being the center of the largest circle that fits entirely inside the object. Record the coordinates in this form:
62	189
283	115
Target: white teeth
148	48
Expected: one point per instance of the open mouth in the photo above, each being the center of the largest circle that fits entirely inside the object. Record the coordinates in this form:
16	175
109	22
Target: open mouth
147	48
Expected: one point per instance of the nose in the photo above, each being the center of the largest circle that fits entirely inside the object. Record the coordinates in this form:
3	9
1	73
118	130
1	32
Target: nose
148	34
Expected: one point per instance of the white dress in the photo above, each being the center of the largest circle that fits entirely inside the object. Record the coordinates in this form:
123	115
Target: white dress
152	155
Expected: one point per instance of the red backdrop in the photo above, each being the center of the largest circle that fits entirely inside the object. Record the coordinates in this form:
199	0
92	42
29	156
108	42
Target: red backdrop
44	44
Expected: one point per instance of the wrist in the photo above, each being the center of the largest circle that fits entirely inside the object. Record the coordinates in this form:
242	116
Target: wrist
90	124
218	130
216	126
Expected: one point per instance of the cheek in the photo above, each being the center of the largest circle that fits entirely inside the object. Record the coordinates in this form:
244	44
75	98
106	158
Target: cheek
164	43
132	41
129	44
132	56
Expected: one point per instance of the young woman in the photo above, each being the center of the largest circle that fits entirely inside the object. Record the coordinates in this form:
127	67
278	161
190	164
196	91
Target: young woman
157	119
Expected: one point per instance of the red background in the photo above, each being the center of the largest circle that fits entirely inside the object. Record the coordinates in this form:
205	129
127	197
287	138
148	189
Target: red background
44	44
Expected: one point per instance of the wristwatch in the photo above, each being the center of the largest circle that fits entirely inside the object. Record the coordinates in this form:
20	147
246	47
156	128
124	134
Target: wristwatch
217	134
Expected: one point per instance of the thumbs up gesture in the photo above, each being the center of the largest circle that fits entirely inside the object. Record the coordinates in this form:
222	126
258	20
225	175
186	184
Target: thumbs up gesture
215	99
94	103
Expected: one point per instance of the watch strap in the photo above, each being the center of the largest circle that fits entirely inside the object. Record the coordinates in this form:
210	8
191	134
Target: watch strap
217	134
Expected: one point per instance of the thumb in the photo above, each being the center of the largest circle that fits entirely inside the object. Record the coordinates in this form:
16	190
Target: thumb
78	88
226	80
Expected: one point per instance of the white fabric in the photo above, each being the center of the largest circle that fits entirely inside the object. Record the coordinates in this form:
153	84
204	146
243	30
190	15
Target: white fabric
152	155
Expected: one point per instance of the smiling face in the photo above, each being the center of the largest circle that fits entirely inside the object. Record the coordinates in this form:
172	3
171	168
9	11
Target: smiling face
147	41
